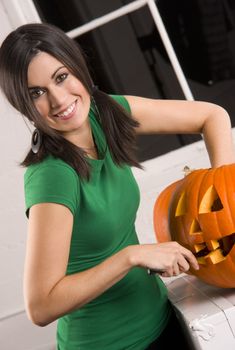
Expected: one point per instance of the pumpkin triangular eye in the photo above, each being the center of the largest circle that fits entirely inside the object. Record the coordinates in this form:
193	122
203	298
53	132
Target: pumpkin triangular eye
181	206
210	202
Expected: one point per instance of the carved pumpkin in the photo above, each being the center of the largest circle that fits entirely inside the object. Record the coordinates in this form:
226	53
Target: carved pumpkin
198	212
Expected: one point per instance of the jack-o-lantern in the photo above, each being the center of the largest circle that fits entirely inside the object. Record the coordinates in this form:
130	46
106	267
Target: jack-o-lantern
198	212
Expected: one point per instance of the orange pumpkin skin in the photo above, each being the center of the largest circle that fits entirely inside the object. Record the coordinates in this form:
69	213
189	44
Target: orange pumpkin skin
198	212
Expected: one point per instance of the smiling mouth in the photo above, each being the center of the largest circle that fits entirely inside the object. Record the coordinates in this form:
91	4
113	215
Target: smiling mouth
222	248
67	112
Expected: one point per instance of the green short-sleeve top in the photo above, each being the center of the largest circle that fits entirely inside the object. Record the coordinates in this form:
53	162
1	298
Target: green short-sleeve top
132	313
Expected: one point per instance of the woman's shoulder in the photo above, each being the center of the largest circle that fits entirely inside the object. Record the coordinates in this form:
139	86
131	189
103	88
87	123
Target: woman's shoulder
122	101
52	180
50	166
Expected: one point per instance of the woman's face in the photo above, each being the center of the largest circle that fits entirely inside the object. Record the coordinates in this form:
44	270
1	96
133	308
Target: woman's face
58	95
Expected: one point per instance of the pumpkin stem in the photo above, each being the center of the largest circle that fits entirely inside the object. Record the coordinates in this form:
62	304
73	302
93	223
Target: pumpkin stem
187	170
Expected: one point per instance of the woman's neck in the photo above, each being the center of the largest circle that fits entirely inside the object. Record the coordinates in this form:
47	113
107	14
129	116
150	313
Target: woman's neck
83	138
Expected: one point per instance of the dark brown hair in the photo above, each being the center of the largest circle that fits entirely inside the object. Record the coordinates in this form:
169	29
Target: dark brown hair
16	52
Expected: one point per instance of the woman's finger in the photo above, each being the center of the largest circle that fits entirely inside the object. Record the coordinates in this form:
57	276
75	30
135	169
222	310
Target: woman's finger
191	259
183	264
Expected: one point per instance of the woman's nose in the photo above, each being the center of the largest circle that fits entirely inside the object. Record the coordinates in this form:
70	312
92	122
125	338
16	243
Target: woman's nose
56	97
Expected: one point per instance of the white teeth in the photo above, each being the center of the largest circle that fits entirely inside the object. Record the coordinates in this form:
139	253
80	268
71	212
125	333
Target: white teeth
67	112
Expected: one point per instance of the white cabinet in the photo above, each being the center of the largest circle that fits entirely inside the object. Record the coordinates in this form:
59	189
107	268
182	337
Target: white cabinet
207	312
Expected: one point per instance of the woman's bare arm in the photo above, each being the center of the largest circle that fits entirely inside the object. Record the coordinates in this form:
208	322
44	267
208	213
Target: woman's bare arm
49	293
180	116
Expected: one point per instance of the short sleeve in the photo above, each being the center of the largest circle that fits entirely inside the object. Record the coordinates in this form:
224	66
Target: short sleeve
122	101
51	183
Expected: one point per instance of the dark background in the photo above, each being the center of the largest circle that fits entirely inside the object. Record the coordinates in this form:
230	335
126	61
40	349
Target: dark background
126	56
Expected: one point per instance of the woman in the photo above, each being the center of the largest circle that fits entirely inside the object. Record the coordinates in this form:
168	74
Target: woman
84	266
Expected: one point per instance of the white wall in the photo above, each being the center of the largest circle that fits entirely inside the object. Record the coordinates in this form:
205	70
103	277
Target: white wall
16	331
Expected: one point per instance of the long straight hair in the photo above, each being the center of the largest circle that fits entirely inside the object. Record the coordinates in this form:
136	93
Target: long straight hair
16	53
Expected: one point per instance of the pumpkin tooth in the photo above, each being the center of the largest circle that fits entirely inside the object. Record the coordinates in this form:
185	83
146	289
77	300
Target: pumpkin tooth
213	244
198	247
201	260
214	257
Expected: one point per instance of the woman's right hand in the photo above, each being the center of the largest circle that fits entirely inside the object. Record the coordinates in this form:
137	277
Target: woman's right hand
171	258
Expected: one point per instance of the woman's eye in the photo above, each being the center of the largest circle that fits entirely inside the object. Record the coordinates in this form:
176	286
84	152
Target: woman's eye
61	77
35	93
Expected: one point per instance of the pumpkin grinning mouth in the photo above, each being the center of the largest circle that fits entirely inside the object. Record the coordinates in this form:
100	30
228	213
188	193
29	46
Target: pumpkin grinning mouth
223	247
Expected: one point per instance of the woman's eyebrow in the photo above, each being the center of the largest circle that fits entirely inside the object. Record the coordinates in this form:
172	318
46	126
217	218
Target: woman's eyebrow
53	75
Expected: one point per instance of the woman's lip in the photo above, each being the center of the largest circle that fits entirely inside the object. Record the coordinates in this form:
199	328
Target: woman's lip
71	114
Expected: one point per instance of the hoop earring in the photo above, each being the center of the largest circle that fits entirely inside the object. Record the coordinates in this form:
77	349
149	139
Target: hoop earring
36	141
